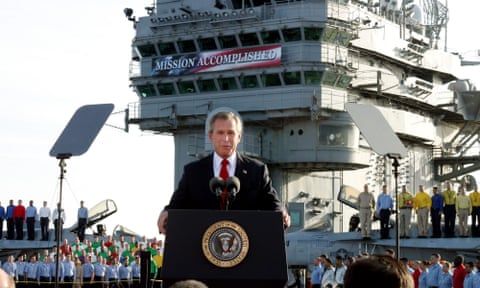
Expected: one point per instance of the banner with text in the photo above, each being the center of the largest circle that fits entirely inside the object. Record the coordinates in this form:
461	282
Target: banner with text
217	61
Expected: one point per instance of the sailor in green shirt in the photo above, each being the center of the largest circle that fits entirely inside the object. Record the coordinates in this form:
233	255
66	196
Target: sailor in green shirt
449	200
405	203
464	208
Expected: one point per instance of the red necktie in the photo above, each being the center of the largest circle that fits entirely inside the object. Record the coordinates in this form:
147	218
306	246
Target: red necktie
224	175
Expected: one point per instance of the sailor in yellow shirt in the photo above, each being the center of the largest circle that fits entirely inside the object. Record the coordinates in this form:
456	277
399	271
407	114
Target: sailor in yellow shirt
405	203
464	208
449	199
422	203
475	199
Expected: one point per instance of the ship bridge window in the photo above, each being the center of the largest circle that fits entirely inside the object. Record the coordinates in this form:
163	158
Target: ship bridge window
329	78
343	38
261	2
336	135
186	46
227	41
292	34
249	39
313	77
166	88
329	35
227	83
241	4
206	85
269	37
344	81
249	81
206	44
147	50
146	91
185	87
312	33
167	48
292	78
270	80
332	35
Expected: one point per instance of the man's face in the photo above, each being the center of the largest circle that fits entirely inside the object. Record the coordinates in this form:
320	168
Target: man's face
224	137
468	269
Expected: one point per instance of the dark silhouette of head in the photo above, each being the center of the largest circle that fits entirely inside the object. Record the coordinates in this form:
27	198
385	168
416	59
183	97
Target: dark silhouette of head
378	271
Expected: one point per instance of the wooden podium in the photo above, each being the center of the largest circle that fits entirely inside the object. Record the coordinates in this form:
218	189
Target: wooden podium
225	248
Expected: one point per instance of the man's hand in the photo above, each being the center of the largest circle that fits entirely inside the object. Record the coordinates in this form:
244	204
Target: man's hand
286	219
162	222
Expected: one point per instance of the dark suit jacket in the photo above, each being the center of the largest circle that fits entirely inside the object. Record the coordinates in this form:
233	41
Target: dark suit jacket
256	191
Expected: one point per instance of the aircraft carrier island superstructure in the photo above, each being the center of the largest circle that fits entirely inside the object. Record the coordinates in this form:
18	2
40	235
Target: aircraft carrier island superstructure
288	68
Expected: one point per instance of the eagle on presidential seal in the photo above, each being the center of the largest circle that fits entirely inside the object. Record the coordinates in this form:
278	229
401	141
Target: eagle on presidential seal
226	244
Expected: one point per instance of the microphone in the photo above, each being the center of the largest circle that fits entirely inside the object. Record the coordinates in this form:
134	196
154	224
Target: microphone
232	184
217	184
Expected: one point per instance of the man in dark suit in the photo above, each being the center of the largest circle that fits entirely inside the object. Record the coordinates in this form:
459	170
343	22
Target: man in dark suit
256	190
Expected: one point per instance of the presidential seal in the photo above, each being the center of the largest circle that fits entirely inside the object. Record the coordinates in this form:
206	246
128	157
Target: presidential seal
225	244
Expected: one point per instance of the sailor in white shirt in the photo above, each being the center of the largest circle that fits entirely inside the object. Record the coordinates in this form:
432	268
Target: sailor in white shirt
340	270
44	214
328	278
55	219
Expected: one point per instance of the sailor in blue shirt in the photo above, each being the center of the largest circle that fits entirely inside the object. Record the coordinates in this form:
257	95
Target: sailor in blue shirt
31	270
53	270
82	221
112	273
88	272
44	271
468	282
70	270
434	271
20	268
476	277
436	212
3	216
10	267
125	273
136	270
99	270
10	223
384	207
446	280
317	273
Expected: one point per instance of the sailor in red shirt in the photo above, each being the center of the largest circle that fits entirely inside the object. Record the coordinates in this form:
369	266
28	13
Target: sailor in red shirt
459	273
416	273
66	248
19	214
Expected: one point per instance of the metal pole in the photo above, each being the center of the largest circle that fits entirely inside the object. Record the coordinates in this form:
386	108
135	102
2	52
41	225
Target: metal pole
62	166
395	165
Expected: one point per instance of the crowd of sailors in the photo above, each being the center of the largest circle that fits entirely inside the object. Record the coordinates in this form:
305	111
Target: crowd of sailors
448	203
100	263
429	273
17	215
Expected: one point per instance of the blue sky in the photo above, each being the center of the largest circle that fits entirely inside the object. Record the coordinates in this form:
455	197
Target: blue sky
57	56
